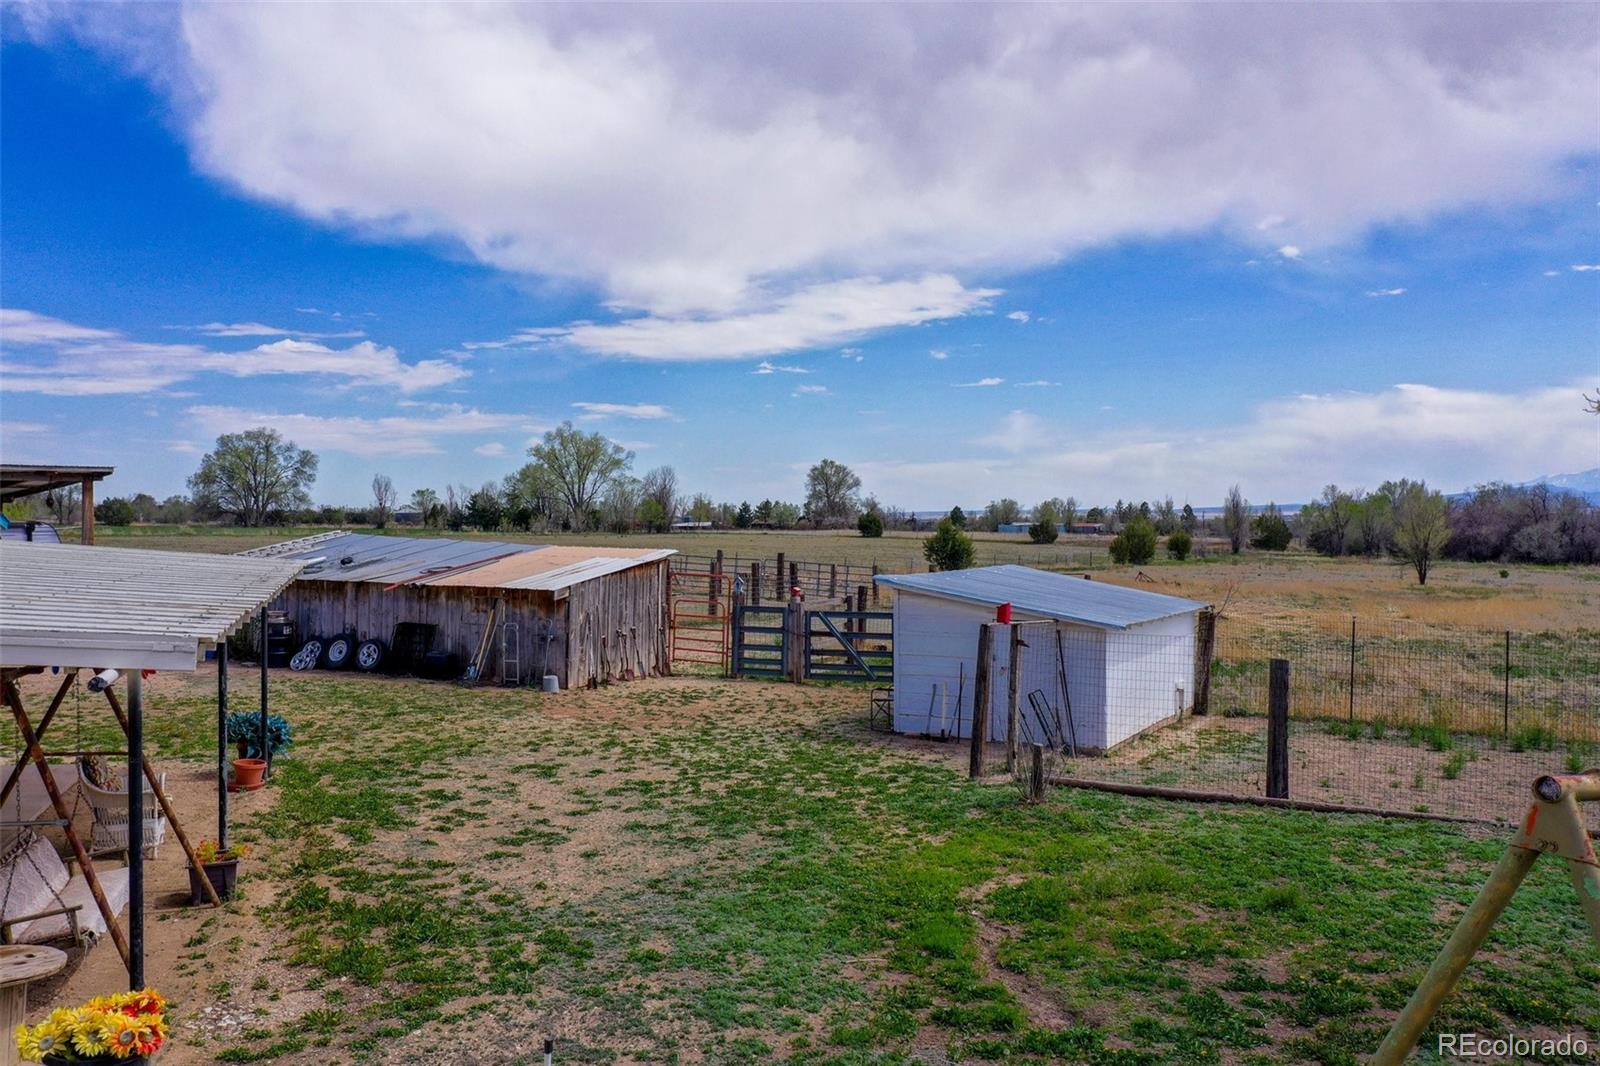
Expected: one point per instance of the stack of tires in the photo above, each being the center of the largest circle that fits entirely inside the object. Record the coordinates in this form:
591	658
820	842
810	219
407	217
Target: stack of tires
340	653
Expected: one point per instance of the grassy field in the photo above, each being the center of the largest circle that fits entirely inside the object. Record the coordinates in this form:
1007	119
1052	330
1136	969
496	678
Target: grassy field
1261	586
736	872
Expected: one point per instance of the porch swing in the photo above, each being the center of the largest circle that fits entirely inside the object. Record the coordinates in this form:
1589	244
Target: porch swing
41	900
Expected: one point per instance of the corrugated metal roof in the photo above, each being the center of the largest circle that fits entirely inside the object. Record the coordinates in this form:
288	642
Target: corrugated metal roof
552	568
74	605
373	557
1046	595
482	564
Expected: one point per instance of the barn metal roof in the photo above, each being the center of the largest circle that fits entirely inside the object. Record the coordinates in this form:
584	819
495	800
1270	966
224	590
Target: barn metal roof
1043	594
128	608
441	561
374	557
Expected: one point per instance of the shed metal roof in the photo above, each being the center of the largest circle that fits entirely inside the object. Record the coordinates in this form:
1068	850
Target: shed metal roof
374	557
128	608
1046	595
442	561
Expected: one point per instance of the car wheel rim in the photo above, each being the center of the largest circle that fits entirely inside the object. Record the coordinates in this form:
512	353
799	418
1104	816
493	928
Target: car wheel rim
367	656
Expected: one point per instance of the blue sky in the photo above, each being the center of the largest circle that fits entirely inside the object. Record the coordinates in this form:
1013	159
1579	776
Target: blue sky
1047	252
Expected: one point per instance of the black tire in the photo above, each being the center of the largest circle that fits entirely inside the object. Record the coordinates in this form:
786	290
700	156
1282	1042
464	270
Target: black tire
370	655
308	656
339	652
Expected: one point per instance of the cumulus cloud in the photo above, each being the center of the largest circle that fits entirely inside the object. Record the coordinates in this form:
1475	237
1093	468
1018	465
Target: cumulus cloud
981	383
938	353
1379	293
600	144
418	434
63	359
259	329
1284	449
1019	316
593	412
813	317
1290	251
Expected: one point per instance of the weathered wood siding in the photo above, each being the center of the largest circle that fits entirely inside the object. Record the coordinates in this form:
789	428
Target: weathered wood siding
617	627
622	630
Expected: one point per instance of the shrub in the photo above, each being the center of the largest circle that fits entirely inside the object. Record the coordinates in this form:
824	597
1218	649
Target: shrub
949	548
1043	533
870	524
244	727
114	512
1136	543
1269	532
1180	544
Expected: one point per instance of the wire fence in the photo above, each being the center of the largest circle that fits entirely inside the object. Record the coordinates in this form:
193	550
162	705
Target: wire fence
1393	715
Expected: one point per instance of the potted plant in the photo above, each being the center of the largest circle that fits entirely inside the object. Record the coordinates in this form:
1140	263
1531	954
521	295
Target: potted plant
219	866
244	730
124	1028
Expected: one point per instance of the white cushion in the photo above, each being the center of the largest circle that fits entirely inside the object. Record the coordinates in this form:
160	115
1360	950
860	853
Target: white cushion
113	881
29	882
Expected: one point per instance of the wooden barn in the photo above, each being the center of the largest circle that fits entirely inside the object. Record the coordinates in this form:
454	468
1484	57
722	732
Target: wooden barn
588	616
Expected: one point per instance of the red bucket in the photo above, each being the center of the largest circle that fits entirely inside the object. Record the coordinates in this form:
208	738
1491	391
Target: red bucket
1002	614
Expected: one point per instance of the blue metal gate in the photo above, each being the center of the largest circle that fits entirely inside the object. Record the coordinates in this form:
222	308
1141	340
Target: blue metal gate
849	646
759	641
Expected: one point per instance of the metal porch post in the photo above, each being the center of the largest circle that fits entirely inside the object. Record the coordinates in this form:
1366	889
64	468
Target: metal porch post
135	830
266	751
222	745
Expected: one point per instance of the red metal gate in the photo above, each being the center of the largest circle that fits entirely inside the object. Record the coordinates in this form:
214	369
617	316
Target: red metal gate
700	619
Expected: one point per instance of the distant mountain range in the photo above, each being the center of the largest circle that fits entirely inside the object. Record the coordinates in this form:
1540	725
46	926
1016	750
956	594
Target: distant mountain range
1585	483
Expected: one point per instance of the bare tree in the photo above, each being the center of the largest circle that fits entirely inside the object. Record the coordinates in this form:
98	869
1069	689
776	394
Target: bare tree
661	486
1592	403
383	497
252	474
579	466
831	489
1421	527
1236	519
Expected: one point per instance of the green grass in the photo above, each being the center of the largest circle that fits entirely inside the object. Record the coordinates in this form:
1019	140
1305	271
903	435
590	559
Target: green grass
773	882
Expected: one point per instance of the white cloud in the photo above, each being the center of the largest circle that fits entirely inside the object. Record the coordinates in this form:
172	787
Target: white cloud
1283	450
258	329
1552	273
812	317
1290	251
1385	292
596	411
601	144
811	390
1037	384
63	359
389	436
1019	316
1585	266
492	449
938	353
981	383
767	366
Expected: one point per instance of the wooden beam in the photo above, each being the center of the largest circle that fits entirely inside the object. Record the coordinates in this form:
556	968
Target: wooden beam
88	510
44	723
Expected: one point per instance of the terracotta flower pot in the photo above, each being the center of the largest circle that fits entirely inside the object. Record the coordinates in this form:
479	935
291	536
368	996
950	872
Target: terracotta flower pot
249	774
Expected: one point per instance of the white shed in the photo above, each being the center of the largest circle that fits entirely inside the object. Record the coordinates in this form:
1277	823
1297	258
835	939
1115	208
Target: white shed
1120	660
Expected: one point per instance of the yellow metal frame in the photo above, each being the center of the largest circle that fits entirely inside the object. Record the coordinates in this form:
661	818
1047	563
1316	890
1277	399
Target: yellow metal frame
1553	826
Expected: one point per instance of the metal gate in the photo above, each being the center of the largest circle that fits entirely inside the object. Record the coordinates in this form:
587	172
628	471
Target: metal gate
760	642
699	619
849	646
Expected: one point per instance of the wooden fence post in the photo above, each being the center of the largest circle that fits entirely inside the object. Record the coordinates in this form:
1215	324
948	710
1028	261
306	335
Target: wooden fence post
833	582
1036	775
736	630
755	584
980	702
715	581
794	576
874	584
794	644
1014	700
1278	730
777	581
1205	650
